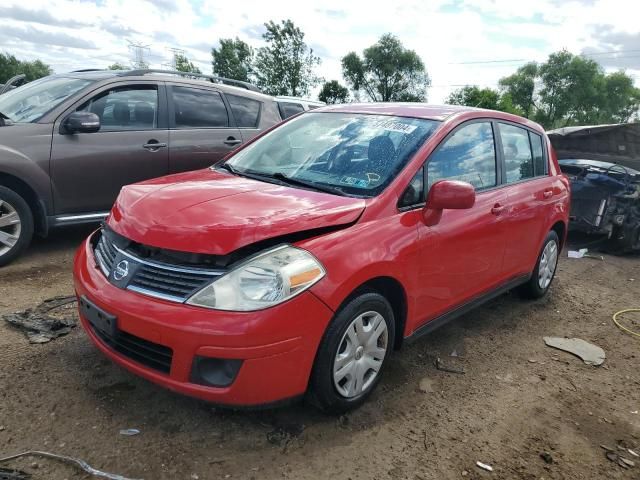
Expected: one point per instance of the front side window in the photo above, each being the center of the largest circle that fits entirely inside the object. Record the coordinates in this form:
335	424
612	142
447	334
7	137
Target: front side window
288	109
246	111
414	193
32	101
125	108
351	154
195	108
468	155
517	153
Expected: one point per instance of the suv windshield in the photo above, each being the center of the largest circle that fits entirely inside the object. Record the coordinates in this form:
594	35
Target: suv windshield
30	102
347	153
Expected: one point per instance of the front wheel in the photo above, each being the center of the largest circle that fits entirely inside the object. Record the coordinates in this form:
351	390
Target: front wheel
545	269
352	354
16	225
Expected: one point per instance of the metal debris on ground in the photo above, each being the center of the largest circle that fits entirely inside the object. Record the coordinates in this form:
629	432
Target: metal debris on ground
70	460
577	253
589	353
484	466
9	474
129	432
440	365
51	319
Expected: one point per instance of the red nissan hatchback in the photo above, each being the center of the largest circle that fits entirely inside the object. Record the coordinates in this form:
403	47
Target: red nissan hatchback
298	264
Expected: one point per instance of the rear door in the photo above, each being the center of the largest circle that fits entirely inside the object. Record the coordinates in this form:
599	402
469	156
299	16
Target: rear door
201	130
461	256
247	113
88	169
531	193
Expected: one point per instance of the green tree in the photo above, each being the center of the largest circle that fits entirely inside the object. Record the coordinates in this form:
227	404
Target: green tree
622	98
333	92
520	87
11	66
233	59
387	72
118	66
183	64
285	66
472	96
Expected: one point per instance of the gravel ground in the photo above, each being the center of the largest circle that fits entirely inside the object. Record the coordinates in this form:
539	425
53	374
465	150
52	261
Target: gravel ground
516	400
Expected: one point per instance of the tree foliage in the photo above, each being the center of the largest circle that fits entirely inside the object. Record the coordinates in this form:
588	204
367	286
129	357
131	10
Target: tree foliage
333	92
11	66
285	66
387	72
118	66
232	59
473	96
183	64
521	87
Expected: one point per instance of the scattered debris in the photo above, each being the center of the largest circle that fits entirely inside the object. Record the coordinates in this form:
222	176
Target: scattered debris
8	474
622	327
440	365
546	456
426	385
589	353
619	459
578	253
51	319
73	461
283	434
484	466
633	453
129	432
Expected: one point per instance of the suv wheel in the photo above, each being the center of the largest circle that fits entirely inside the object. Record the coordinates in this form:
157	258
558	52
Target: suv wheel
16	225
352	354
545	270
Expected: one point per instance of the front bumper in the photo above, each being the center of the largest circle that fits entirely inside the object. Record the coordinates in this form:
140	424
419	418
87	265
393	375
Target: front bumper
277	346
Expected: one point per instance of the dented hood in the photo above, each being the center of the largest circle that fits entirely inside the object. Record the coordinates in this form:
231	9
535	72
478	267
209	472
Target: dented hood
216	213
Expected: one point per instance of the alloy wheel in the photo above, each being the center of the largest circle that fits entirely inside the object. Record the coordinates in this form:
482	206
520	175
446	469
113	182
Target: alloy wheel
548	263
360	354
10	227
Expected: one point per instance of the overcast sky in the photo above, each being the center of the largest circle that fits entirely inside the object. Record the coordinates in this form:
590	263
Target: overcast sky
460	41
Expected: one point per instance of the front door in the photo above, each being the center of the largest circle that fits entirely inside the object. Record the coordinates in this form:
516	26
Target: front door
89	169
201	130
461	257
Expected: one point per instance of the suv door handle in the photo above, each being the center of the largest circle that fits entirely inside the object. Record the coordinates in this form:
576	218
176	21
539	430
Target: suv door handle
498	209
547	193
154	145
232	141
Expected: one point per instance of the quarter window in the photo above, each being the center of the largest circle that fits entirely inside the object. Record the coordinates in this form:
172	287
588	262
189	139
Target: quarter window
195	108
468	155
517	153
246	111
288	109
128	108
414	193
539	164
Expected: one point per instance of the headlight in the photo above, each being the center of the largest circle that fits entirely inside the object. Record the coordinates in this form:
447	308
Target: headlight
263	281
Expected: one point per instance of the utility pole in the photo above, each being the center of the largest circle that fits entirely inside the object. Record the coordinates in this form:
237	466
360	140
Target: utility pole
139	51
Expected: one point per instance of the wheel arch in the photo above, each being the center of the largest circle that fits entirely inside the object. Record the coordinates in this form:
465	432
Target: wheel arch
23	189
561	229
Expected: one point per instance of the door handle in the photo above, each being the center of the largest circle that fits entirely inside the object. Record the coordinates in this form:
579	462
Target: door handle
232	141
547	193
153	145
498	209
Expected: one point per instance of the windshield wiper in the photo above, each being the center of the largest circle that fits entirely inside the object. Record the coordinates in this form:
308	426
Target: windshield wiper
302	183
228	168
5	120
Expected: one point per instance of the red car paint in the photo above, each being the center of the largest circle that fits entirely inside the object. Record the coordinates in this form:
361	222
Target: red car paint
464	254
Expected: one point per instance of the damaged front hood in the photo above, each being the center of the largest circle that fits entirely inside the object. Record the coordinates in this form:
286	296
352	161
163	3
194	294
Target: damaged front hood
216	213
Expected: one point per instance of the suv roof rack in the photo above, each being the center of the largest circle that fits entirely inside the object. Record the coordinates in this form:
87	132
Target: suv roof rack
211	78
82	70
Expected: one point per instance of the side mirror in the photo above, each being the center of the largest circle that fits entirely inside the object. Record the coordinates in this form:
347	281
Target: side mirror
450	195
81	122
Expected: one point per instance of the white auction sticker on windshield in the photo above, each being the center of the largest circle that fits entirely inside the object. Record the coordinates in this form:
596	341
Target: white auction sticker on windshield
394	126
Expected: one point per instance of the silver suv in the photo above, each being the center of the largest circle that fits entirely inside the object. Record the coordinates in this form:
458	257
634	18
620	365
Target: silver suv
69	142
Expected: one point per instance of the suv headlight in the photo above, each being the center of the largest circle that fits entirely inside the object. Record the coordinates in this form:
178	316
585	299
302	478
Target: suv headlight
263	281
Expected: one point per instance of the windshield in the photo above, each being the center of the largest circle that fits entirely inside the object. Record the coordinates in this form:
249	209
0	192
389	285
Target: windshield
30	102
348	153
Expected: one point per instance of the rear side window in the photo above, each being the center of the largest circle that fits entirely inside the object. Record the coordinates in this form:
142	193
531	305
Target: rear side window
246	111
195	108
539	163
288	109
517	153
468	155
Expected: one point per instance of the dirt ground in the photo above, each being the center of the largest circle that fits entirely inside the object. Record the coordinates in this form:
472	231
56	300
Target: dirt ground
516	400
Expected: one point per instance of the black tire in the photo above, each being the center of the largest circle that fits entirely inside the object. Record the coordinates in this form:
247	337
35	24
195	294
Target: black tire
17	203
323	392
532	289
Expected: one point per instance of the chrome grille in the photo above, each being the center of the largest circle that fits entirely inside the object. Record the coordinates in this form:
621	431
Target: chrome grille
175	283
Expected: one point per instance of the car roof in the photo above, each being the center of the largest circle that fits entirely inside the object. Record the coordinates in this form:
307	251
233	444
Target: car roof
286	98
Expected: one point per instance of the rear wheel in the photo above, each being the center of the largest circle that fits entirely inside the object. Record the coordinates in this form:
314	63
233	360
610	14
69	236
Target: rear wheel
545	269
352	354
16	225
